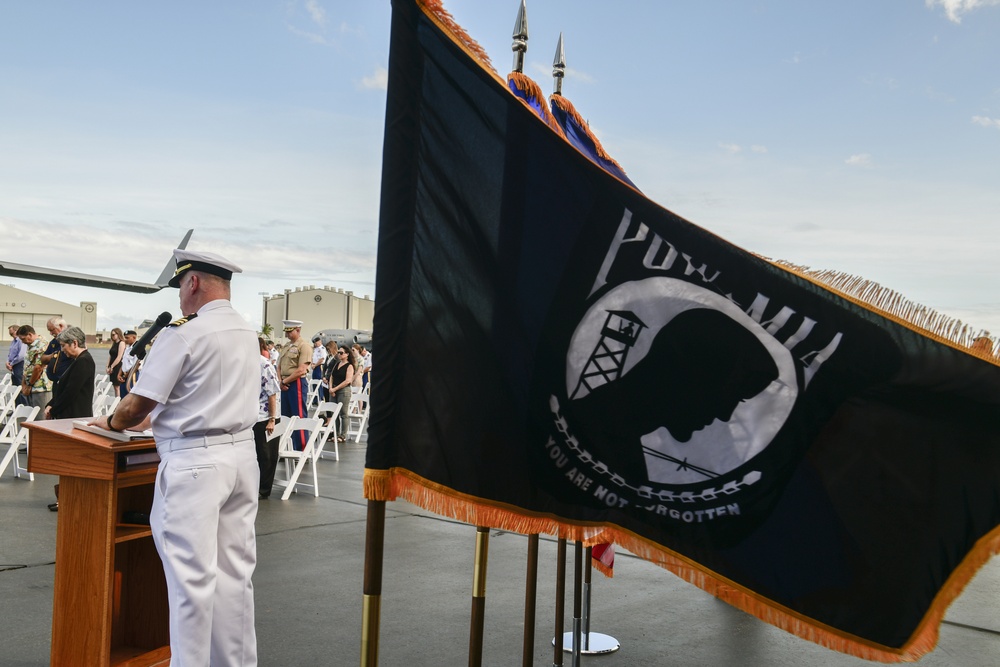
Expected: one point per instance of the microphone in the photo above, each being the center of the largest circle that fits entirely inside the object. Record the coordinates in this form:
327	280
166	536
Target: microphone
139	349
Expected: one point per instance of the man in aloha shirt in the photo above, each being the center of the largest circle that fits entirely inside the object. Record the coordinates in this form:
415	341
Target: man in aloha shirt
36	387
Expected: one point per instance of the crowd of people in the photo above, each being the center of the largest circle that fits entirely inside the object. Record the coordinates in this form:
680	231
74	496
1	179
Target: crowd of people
56	376
340	369
195	391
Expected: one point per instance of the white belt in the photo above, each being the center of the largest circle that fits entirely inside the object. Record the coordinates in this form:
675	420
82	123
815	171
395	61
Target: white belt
193	441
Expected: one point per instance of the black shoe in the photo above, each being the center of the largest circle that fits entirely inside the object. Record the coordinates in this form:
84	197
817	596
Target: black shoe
263	496
54	507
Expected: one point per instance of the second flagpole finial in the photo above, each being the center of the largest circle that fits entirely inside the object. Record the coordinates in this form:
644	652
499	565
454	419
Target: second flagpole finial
520	36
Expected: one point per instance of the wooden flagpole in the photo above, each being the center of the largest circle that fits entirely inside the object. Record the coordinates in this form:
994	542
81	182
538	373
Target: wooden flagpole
557	641
530	595
577	601
372	599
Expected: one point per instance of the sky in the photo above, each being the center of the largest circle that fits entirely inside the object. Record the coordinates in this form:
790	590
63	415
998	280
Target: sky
857	136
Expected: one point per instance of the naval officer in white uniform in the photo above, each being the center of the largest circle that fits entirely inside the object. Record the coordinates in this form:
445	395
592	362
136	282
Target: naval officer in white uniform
199	387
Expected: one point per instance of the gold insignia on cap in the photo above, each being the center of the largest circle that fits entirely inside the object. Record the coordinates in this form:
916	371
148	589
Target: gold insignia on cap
182	268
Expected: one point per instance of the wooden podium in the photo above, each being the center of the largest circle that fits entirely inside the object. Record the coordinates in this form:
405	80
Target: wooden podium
110	600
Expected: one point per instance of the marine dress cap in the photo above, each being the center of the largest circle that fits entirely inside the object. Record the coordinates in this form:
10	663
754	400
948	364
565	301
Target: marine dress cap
291	324
209	262
130	332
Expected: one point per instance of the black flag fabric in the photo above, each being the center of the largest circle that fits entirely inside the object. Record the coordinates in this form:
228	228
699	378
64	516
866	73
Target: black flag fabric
559	354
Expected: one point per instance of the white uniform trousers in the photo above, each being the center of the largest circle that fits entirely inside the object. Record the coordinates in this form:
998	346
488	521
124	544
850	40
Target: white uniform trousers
202	520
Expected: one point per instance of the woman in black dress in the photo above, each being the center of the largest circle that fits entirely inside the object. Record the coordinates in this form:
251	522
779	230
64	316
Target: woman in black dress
115	353
73	392
339	380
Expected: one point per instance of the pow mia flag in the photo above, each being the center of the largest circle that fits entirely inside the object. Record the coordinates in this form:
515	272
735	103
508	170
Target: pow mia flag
559	354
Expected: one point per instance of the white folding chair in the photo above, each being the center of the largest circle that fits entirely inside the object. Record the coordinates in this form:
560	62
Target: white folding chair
102	387
312	396
310	454
15	436
5	380
8	396
357	414
329	426
279	428
105	405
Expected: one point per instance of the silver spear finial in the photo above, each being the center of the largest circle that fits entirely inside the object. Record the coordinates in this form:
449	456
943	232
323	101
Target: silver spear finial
558	67
520	45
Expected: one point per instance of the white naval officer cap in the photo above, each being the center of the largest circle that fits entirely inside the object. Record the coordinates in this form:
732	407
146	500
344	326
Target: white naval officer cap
209	262
289	325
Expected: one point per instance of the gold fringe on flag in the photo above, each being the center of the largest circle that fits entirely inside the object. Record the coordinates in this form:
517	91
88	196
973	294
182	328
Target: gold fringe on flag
531	89
571	111
898	308
401	483
602	568
435	11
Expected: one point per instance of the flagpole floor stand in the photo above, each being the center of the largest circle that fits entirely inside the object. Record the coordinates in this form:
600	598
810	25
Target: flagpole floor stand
597	644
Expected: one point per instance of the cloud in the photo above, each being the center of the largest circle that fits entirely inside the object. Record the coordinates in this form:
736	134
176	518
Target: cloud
316	32
938	96
986	122
313	37
543	72
734	149
862	160
378	80
316	12
880	81
954	9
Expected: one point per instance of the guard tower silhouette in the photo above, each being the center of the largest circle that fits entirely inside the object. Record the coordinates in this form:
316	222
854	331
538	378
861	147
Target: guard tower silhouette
621	330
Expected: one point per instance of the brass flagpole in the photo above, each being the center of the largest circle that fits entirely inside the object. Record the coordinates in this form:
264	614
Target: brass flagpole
478	597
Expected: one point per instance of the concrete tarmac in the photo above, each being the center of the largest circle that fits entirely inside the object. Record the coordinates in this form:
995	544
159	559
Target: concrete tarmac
308	588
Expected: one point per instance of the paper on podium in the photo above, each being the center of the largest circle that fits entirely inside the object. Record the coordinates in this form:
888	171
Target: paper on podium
123	436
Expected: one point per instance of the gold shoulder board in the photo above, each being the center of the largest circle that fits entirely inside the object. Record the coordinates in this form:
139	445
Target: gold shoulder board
186	318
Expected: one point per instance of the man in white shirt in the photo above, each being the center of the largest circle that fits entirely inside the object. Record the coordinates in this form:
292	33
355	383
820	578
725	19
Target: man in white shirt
128	362
199	388
319	355
366	366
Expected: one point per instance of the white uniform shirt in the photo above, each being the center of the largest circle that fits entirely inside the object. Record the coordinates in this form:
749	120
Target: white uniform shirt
366	363
319	355
128	360
204	374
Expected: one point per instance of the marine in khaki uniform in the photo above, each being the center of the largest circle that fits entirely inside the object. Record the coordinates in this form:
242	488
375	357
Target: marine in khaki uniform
293	369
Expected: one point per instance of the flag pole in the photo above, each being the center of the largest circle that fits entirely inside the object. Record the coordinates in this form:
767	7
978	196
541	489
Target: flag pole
557	641
530	595
592	642
478	616
520	36
577	603
372	598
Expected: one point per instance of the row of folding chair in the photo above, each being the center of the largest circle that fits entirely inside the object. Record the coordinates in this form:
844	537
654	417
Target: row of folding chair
294	461
357	413
15	436
106	396
8	396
